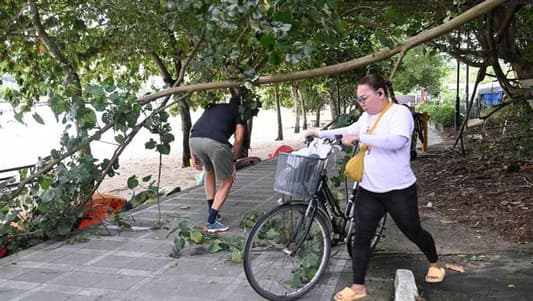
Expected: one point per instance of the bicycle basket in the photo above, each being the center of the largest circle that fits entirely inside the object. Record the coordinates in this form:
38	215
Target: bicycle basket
297	175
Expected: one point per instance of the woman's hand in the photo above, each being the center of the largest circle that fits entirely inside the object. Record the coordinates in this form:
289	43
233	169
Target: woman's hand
312	133
350	140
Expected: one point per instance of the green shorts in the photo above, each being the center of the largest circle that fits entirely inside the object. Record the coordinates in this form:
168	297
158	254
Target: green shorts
213	155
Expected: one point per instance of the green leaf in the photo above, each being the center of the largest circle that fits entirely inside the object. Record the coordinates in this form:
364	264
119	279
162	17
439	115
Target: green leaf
38	118
383	39
63	229
147	178
119	138
133	182
45	182
215	246
150	144
267	41
163	116
163	148
88	119
43	208
197	237
19	116
274	58
95	90
48	196
236	256
179	244
295	282
167	138
55	154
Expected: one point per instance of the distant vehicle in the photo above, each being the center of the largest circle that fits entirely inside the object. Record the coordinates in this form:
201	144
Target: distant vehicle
489	94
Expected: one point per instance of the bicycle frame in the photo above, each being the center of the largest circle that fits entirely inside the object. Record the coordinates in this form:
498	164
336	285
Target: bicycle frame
326	203
329	204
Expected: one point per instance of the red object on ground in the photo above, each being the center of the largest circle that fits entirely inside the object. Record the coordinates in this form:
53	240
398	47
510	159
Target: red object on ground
246	161
281	149
99	207
3	252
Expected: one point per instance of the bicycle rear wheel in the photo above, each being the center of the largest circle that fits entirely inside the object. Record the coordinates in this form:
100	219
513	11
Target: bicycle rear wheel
276	268
379	234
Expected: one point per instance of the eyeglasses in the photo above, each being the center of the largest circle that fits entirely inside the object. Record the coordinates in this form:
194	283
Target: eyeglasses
361	100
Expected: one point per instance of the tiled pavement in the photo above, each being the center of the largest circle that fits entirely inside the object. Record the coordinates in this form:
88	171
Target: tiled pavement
135	265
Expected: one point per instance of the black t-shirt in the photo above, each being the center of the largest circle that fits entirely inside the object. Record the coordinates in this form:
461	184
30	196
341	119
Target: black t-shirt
217	122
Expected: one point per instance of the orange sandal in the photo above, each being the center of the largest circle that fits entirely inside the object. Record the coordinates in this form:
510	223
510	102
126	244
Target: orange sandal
348	294
435	275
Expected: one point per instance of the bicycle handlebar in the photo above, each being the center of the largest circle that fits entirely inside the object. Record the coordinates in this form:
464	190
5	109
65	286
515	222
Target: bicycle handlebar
335	141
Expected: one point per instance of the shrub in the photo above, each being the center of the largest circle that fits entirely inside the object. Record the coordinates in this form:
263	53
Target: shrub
443	114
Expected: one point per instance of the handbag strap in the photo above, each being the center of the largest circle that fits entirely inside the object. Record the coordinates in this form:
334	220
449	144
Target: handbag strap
387	106
364	147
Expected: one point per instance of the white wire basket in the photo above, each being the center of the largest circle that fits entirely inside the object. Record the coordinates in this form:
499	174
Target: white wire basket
297	175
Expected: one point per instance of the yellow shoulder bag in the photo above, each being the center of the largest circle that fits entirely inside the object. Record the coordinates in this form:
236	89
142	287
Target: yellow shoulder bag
355	166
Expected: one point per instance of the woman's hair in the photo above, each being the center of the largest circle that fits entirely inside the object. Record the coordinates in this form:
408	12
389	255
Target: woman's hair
377	82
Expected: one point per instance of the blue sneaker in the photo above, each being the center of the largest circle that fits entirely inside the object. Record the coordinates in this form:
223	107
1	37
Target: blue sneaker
216	227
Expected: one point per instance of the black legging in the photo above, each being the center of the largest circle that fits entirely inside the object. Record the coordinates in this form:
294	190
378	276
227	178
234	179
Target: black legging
402	206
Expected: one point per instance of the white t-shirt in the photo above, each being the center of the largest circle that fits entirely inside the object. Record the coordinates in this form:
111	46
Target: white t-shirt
387	162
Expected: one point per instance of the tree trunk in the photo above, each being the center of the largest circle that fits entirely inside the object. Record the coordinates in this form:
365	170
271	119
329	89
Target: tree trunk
303	110
332	105
294	92
278	113
186	125
317	118
247	142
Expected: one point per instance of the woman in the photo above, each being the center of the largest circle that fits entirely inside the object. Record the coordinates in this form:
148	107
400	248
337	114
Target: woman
388	183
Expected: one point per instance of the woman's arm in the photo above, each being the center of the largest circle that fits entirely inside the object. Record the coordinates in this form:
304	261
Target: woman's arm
391	142
351	130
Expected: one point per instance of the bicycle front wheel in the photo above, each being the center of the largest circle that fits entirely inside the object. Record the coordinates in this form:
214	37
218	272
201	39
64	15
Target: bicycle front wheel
286	252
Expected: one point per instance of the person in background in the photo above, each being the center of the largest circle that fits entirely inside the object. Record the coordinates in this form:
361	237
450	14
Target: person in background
388	183
211	149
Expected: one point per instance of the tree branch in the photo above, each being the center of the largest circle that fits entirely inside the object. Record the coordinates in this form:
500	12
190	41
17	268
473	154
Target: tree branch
398	63
18	14
191	54
50	45
167	78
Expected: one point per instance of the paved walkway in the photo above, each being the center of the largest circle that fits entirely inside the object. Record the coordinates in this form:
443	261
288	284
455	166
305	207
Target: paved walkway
136	265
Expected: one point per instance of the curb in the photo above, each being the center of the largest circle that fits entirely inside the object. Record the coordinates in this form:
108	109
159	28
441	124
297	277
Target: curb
405	286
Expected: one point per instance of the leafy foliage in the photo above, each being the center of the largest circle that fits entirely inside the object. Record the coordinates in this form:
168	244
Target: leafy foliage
443	114
215	243
421	68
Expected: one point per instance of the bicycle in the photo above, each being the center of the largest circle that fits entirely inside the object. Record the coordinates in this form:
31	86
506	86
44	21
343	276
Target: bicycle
288	249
